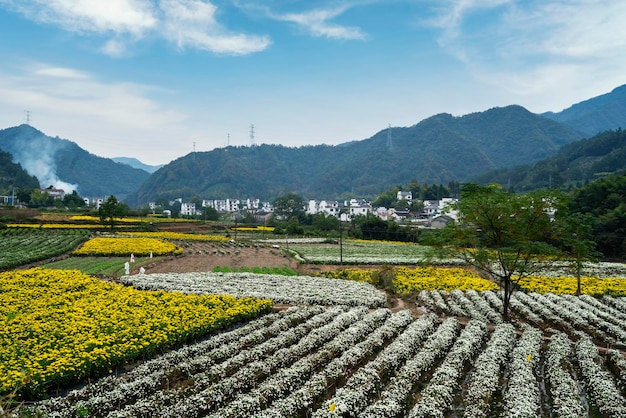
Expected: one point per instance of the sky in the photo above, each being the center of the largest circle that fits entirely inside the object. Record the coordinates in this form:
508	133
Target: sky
158	79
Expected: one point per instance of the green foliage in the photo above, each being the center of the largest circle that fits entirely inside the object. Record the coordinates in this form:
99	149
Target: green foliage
605	200
110	210
501	233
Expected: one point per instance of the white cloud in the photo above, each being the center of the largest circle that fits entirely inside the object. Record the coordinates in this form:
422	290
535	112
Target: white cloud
187	23
69	93
317	23
118	16
192	23
548	53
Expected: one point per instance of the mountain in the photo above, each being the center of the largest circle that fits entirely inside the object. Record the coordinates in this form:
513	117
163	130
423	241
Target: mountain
13	176
601	113
439	149
65	165
575	164
135	163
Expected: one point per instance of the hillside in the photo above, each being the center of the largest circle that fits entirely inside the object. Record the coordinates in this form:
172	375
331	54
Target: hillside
64	164
439	149
574	165
13	176
601	113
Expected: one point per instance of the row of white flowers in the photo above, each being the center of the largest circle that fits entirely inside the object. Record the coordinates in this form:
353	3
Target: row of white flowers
521	395
485	378
393	398
211	388
584	319
289	379
564	388
438	395
354	395
589	269
281	289
598	382
601	318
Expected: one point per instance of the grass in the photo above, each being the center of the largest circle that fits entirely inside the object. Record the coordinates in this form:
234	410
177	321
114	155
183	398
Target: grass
98	266
283	271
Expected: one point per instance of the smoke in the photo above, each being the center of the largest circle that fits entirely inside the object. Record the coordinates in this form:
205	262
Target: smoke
36	153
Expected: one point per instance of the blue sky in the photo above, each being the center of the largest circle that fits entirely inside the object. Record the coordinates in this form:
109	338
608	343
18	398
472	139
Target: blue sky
149	78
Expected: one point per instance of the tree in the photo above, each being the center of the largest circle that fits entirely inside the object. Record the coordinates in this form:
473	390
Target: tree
110	210
73	200
288	206
501	233
576	233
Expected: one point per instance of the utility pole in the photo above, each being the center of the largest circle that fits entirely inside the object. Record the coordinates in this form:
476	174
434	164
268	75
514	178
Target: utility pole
27	112
389	141
251	135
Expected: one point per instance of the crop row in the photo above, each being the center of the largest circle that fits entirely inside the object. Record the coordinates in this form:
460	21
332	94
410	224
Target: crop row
29	246
338	361
603	319
281	289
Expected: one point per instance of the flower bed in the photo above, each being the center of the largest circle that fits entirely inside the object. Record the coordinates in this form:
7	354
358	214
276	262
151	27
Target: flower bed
279	288
63	325
434	278
127	246
179	236
595	286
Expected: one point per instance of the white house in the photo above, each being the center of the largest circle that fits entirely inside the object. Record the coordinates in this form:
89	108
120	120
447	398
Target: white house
408	196
188	209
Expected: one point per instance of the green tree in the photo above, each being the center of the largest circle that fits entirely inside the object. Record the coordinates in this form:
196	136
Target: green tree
501	233
288	206
576	235
110	210
73	200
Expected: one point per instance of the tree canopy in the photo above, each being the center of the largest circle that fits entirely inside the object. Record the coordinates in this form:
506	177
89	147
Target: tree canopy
501	234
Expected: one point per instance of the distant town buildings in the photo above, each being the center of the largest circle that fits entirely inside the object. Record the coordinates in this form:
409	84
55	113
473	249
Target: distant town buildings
434	213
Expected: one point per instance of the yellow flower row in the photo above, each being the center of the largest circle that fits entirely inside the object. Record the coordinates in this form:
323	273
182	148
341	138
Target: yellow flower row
62	325
409	280
567	285
254	228
354	274
177	236
127	246
89	218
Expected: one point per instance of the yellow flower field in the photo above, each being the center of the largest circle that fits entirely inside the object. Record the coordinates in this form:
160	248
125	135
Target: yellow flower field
593	286
60	326
127	246
177	236
409	280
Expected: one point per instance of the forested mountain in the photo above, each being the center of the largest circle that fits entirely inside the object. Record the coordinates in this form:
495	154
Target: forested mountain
13	176
575	164
439	149
135	163
64	164
601	113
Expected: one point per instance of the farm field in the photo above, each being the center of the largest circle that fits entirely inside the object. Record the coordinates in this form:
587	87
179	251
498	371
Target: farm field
334	347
